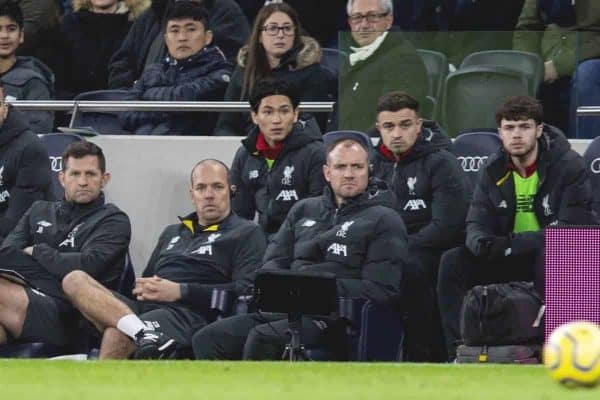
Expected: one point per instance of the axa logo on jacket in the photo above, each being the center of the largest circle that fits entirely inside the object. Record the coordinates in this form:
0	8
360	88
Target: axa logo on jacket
338	249
287	195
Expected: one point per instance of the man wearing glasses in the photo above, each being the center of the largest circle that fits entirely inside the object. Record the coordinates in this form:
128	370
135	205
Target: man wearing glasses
432	200
379	62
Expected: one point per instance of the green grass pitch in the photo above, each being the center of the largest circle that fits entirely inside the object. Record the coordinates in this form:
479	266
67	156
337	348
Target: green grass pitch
173	380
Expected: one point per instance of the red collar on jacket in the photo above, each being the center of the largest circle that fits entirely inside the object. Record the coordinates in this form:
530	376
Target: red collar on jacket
265	150
387	153
528	170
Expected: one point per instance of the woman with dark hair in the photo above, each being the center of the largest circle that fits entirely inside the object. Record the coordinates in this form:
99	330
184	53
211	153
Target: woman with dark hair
276	48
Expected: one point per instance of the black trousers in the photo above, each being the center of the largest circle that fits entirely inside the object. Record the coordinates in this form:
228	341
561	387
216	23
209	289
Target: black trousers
424	339
261	336
460	270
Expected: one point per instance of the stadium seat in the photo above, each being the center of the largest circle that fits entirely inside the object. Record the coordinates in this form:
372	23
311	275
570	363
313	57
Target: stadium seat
104	122
592	159
585	91
331	60
529	64
55	144
472	150
473	94
436	64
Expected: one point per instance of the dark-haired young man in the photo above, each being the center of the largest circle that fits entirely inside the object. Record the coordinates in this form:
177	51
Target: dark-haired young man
23	78
210	248
194	70
281	159
351	230
432	200
52	239
533	181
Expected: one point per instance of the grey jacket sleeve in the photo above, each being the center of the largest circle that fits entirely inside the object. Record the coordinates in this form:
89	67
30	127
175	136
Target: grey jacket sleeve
382	269
103	246
243	202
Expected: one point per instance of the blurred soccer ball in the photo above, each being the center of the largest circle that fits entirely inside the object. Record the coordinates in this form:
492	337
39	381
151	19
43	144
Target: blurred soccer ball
572	354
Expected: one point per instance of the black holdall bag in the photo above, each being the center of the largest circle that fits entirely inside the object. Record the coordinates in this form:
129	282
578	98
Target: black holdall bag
502	314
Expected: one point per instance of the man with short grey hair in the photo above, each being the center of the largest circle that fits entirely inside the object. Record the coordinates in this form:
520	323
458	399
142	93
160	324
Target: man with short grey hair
379	62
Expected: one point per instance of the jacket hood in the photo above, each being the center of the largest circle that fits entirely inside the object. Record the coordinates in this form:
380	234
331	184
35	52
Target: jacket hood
14	125
308	53
431	139
303	133
135	7
27	68
378	193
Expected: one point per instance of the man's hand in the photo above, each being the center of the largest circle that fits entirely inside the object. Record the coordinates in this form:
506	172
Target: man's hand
28	250
550	73
156	289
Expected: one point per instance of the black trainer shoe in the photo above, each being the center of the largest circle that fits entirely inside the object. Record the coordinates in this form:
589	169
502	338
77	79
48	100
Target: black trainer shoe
153	345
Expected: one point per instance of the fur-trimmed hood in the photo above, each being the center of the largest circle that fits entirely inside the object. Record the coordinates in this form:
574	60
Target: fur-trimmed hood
135	7
308	54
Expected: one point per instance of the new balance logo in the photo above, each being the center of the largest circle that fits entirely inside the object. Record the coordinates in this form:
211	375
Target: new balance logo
502	204
172	242
70	240
4	196
253	174
308	222
338	249
287	195
414	205
203	250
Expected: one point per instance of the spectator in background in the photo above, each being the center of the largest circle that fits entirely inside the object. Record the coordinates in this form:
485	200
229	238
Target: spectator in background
144	44
380	62
194	71
564	33
24	167
535	180
276	48
432	200
280	161
93	32
23	78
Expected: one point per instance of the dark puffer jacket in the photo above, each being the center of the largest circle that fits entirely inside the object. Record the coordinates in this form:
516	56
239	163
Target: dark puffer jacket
363	243
24	170
564	196
144	44
431	190
202	77
296	174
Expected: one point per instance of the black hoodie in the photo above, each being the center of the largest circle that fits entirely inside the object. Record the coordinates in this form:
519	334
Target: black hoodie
564	196
296	174
24	170
431	190
363	243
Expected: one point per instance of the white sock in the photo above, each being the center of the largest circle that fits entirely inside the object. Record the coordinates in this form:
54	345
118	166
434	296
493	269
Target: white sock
130	325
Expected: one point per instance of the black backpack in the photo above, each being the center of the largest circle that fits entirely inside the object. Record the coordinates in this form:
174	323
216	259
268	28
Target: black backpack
502	314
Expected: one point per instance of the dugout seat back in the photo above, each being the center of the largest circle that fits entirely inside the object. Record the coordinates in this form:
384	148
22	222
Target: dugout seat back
105	122
55	144
592	161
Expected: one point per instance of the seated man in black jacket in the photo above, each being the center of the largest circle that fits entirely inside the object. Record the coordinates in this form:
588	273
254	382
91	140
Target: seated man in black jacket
535	180
210	248
350	231
432	200
51	240
24	167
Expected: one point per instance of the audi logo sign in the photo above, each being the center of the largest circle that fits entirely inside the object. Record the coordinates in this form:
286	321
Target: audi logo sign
472	163
595	166
56	163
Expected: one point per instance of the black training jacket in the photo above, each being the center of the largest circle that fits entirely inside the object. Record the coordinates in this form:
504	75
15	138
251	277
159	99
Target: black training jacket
222	255
564	196
363	243
65	236
24	170
296	174
431	190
